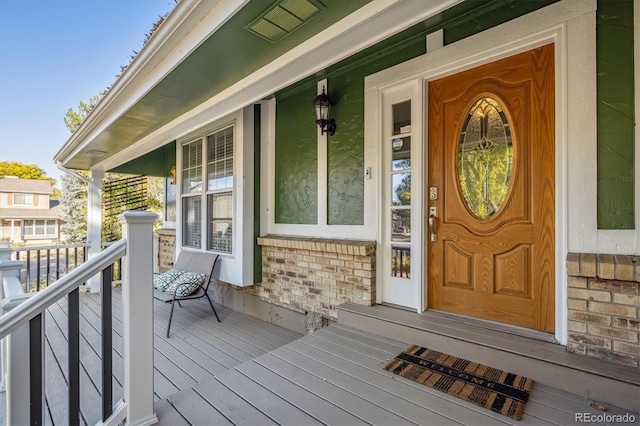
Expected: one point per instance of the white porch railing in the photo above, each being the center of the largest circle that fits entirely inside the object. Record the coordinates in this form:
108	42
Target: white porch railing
23	326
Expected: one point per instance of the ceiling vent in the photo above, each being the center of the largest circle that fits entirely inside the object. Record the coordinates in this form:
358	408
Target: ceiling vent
284	17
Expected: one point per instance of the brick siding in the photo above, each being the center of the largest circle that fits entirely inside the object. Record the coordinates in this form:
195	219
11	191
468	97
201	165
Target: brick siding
604	307
166	248
317	274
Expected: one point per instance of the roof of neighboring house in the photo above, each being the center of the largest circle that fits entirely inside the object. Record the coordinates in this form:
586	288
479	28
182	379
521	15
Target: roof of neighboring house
22	213
26	186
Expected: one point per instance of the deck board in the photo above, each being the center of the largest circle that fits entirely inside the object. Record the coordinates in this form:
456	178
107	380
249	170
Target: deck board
324	389
329	369
272	405
373	374
167	414
298	396
233	407
196	410
245	371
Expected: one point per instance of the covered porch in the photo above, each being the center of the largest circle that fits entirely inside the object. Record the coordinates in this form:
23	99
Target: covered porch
245	371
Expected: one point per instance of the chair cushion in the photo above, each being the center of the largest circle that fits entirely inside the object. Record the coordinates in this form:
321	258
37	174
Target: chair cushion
187	283
163	281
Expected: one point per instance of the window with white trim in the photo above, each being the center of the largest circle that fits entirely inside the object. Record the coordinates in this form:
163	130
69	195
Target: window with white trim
39	228
23	199
207	210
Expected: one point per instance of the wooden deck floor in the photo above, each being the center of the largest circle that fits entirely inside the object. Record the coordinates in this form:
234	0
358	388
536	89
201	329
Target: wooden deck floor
244	371
199	349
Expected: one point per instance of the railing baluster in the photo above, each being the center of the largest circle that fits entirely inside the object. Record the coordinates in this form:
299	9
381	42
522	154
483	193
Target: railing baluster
74	357
38	270
48	266
57	264
28	272
36	391
107	344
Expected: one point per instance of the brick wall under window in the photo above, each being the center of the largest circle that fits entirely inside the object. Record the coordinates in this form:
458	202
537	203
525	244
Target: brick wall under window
318	274
604	307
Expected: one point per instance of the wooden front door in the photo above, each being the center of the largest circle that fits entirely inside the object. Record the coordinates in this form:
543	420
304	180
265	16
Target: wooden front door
491	180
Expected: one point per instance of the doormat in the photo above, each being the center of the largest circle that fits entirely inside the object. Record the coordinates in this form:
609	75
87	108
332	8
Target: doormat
488	387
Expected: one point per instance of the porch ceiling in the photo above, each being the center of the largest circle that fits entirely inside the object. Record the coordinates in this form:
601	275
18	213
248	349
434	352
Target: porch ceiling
225	57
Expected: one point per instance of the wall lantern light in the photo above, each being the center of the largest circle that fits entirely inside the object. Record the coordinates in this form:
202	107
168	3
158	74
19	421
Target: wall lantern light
322	107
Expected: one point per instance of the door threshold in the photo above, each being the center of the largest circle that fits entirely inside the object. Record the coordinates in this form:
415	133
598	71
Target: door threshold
494	325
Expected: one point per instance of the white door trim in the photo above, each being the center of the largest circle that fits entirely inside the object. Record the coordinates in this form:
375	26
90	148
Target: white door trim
405	292
570	26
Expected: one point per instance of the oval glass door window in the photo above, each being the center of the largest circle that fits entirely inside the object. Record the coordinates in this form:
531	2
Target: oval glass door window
485	158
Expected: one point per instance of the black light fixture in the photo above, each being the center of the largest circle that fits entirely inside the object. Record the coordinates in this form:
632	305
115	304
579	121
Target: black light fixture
322	107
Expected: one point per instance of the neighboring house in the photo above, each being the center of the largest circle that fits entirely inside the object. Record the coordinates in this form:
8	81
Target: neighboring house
484	152
28	215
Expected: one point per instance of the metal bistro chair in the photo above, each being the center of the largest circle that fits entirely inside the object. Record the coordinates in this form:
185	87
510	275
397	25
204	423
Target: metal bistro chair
192	262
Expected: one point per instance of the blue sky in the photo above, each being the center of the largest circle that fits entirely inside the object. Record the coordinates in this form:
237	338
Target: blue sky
54	54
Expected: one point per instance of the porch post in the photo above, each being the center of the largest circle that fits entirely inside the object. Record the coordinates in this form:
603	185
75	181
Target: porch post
94	222
137	316
8	268
16	367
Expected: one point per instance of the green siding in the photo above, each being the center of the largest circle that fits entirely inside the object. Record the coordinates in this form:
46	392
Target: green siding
296	172
616	144
296	145
155	163
345	152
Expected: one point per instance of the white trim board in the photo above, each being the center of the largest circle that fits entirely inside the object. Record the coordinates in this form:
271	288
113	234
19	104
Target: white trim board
570	25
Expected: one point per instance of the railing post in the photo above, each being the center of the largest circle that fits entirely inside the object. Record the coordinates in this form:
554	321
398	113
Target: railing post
137	313
8	268
94	222
17	368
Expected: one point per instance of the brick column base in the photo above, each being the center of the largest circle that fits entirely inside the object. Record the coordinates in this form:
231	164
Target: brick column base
604	307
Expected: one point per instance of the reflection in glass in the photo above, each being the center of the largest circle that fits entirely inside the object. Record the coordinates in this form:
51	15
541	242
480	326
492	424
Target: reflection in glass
220	160
401	189
191	221
169	200
192	167
401	225
220	222
401	153
401	118
400	262
485	158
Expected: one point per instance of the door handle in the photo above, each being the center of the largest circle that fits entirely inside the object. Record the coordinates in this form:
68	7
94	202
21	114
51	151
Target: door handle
433	214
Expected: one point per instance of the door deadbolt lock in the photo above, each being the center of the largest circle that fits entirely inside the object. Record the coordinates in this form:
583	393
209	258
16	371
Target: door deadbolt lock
433	193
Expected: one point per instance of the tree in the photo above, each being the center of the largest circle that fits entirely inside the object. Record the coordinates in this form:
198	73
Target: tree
74	208
23	171
27	171
73	119
74	190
